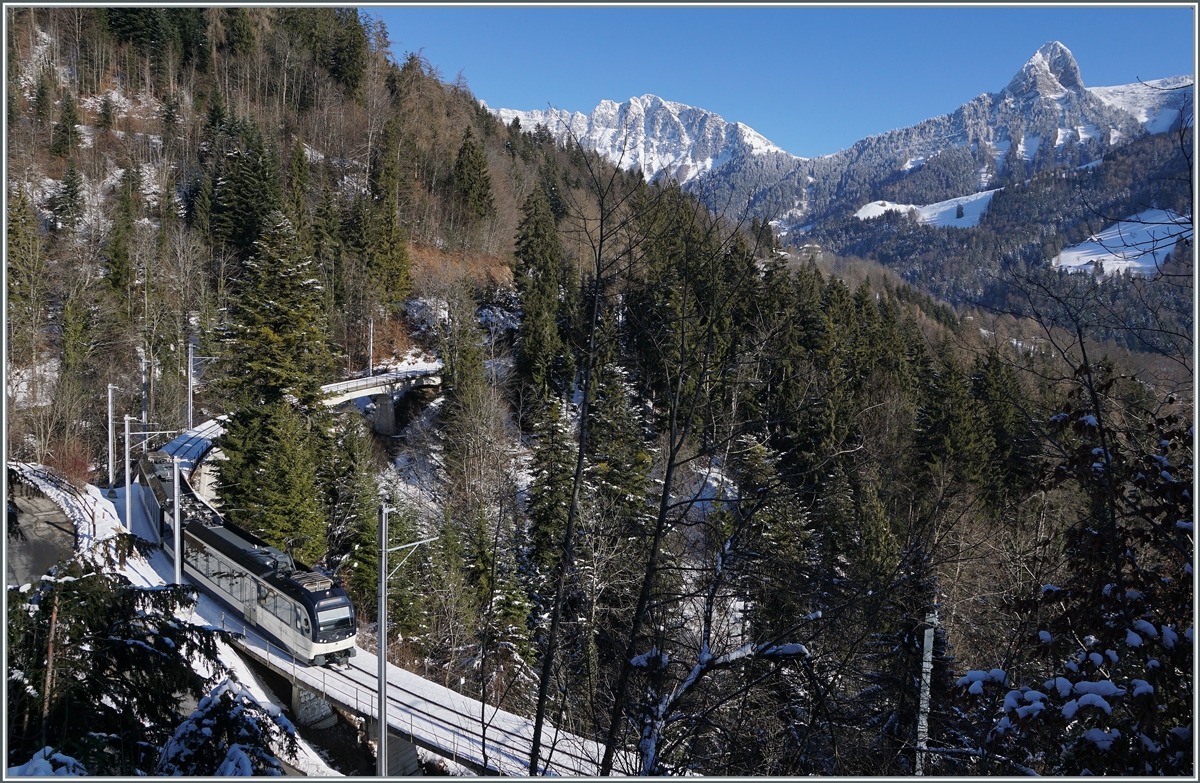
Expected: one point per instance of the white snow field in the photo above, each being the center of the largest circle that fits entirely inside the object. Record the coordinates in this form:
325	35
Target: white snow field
941	215
1139	244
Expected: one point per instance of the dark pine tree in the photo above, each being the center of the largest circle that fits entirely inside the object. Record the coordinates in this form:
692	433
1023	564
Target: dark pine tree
276	341
472	183
66	132
68	201
539	261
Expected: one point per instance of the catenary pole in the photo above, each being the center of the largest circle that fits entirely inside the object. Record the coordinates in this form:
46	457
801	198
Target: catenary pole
178	531
381	758
926	678
111	436
189	379
128	479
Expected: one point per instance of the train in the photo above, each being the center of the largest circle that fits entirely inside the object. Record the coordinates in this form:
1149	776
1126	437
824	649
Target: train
299	609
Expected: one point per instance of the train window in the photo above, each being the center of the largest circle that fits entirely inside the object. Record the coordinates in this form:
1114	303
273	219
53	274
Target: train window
339	618
302	623
263	594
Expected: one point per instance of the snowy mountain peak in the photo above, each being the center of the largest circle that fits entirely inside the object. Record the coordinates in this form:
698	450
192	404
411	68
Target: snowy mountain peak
1050	72
657	136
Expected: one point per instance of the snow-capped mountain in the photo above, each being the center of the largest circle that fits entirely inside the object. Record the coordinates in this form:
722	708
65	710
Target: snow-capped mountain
1045	116
652	134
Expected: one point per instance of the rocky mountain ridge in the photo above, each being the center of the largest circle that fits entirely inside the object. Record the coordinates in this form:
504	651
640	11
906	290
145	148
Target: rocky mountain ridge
1044	117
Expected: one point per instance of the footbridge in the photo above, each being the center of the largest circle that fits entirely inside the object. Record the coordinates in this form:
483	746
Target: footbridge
465	731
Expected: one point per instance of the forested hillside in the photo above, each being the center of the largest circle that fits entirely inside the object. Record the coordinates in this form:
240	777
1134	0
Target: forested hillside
692	498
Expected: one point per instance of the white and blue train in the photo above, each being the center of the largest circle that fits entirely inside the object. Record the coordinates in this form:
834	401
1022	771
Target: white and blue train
295	607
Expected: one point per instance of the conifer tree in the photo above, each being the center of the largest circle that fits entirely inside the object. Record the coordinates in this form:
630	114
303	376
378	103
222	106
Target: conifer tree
296	202
27	280
327	252
107	113
229	733
953	438
239	35
472	182
550	491
619	463
68	201
66	133
389	271
539	261
286	510
1011	463
247	191
42	102
353	500
201	212
276	341
119	262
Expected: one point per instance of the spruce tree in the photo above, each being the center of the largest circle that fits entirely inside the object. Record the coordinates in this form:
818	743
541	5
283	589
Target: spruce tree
472	182
353	500
296	201
239	34
539	261
276	341
1012	462
549	492
247	191
327	252
68	201
286	510
118	259
66	133
27	279
42	101
953	437
104	120
229	733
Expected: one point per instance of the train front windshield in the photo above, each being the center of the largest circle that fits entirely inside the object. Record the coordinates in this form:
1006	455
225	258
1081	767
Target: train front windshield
334	621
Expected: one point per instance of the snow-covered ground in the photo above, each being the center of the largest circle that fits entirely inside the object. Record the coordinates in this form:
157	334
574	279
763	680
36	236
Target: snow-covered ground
1139	244
1155	103
941	215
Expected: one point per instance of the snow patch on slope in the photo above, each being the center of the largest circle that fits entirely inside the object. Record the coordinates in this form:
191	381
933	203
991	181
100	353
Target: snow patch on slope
940	215
1139	244
1156	103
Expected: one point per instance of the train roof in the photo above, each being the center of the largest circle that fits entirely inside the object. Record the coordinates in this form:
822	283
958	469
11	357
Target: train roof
251	552
265	561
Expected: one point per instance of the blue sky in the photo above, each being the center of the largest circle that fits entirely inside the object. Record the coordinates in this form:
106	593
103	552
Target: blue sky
812	80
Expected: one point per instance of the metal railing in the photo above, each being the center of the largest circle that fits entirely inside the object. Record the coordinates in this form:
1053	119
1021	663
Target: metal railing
439	733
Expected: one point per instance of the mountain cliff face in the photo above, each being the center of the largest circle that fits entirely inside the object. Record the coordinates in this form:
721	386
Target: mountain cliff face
1044	117
657	136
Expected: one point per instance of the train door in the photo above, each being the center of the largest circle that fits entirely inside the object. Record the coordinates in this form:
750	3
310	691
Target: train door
250	601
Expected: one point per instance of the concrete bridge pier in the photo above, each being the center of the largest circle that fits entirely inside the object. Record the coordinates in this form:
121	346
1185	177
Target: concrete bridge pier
385	414
310	709
402	754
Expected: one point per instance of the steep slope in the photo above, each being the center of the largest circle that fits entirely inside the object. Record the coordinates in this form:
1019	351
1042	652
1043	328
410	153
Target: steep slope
1157	104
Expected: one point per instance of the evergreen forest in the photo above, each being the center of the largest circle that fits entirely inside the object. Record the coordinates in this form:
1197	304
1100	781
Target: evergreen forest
693	495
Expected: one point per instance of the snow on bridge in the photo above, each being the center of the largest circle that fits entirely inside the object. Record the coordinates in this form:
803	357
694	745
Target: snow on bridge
408	376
